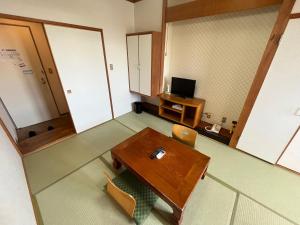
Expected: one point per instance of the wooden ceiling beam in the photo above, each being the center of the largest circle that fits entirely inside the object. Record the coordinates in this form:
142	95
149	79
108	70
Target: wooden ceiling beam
200	8
134	1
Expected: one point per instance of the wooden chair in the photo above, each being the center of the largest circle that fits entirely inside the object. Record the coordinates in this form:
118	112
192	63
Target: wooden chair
184	134
133	196
125	200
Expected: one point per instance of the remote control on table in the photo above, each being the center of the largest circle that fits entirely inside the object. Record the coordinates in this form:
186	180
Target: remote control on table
158	154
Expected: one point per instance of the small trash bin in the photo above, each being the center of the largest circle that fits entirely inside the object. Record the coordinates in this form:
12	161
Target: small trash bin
138	107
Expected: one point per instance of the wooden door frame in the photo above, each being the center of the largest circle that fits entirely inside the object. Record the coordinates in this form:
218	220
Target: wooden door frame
49	22
172	14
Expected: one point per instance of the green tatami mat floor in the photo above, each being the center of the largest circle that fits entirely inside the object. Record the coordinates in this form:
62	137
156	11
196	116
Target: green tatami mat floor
53	163
272	186
79	199
250	213
67	179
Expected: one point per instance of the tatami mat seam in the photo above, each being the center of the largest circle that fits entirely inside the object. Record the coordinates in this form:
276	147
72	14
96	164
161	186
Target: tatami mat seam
241	193
126	126
73	171
234	208
70	173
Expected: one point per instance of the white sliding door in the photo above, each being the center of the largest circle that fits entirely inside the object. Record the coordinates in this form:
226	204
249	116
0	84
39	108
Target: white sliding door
273	120
291	157
133	62
79	57
145	53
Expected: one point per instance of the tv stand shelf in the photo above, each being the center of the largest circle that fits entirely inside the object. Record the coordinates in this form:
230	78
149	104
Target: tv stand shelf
191	112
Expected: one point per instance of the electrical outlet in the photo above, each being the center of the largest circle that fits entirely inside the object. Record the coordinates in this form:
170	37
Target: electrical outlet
208	115
224	119
111	66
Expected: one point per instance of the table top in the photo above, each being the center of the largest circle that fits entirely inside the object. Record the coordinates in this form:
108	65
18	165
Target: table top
174	176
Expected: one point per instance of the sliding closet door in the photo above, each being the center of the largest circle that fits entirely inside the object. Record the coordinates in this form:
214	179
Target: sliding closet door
79	58
145	52
273	120
133	62
291	157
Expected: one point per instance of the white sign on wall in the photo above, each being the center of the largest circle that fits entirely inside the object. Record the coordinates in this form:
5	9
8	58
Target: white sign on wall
14	56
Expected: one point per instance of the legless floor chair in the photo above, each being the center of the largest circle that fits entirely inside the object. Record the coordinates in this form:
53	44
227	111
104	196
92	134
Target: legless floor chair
184	134
133	196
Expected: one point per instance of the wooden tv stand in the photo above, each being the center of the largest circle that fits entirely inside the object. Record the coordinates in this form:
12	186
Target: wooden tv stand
191	112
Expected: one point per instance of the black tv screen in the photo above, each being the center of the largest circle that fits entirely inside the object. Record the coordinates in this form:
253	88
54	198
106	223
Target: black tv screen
183	87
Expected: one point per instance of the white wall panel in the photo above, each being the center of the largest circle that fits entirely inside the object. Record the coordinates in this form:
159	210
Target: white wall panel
9	124
15	203
80	61
273	122
291	157
148	15
296	8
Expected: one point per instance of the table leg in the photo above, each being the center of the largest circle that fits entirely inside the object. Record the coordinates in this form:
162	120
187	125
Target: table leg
204	174
116	164
177	216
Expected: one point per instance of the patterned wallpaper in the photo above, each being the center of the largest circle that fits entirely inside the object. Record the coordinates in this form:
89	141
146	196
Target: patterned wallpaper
222	53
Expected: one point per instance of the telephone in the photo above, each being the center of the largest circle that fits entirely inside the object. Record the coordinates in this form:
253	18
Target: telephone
214	129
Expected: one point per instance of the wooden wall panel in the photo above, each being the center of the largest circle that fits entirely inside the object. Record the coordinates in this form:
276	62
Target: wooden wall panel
200	8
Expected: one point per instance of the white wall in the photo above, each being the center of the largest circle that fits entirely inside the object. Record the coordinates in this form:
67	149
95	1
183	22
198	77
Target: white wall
222	54
115	17
7	122
46	58
296	8
28	100
15	203
148	15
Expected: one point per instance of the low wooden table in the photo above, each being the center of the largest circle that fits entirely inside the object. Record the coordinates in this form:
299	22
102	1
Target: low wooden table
172	178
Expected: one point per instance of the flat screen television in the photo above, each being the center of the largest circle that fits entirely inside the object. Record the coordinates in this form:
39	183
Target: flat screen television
183	87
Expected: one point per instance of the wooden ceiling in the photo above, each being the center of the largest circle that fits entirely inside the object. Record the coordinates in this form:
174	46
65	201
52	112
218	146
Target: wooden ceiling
134	1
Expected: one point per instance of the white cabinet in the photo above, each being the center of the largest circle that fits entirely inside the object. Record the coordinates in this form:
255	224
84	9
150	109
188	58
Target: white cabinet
291	157
144	54
272	122
296	8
